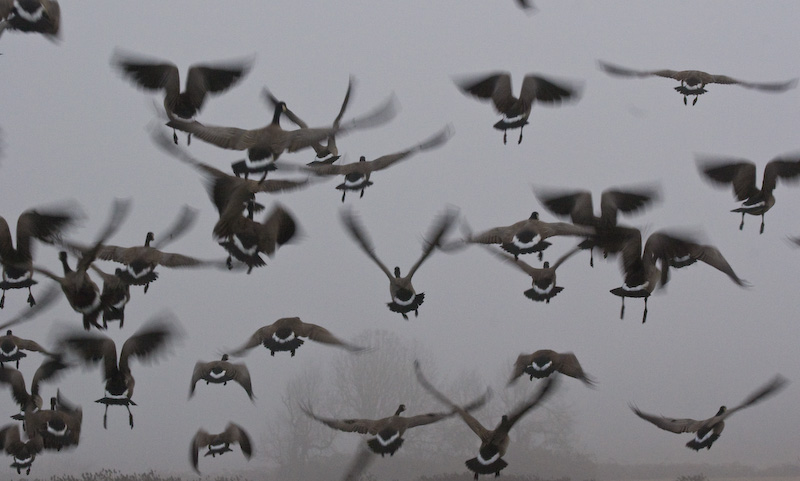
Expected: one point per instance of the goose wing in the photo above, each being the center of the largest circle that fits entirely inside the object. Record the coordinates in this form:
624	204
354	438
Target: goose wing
357	232
766	86
49	370
625	201
569	366
544	390
536	87
668	247
784	168
232	138
495	86
441	225
148	74
575	204
236	434
320	334
740	173
92	348
199	440
14	378
674	425
434	141
45	226
534	272
770	388
178	228
476	427
362	426
627	72
256	339
150	340
203	79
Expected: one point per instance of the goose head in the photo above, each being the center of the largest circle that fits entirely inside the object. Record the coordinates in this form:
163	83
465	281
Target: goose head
148	239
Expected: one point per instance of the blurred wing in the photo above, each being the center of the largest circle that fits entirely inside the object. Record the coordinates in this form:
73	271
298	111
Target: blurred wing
671	424
787	169
438	230
182	223
357	232
535	87
772	387
545	388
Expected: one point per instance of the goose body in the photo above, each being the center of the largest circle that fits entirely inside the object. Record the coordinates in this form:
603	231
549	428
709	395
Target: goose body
543	280
31	401
220	372
404	298
114	296
693	82
31	16
741	174
23	453
219	444
494	442
12	347
59	426
284	335
496	87
147	342
17	262
357	174
544	362
201	80
708	430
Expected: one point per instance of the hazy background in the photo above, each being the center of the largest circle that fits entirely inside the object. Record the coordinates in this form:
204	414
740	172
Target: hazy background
72	129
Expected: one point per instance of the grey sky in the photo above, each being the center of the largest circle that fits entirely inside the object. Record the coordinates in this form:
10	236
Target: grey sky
73	129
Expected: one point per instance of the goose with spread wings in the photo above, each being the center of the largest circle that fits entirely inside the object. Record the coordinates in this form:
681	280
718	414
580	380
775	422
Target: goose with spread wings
220	372
741	174
357	174
285	333
693	82
494	442
219	444
544	362
543	279
496	86
709	430
404	298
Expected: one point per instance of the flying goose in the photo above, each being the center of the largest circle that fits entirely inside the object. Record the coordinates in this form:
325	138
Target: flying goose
543	279
527	236
11	348
741	174
31	401
59	426
496	86
357	174
494	442
326	153
115	295
31	16
43	225
643	275
149	341
404	298
220	372
693	82
220	443
202	79
22	452
577	205
285	333
140	261
389	431
709	430
544	362
272	140
78	287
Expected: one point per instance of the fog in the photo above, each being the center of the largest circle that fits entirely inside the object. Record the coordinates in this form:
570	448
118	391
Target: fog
74	130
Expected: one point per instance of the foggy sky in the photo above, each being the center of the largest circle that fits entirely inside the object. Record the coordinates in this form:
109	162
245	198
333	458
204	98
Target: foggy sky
72	129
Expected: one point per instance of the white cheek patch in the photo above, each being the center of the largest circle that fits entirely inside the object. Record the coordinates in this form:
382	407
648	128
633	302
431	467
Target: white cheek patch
277	339
640	287
124	395
32	17
489	461
219	375
543	367
525	245
390	440
245	250
141	273
404	303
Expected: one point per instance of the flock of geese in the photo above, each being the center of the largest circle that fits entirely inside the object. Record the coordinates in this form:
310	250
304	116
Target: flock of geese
646	264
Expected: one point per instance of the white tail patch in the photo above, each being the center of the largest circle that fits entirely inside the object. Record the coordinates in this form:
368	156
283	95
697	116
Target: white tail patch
511	120
32	17
544	367
10	353
250	251
700	440
487	462
544	291
526	245
219	375
277	339
640	287
57	432
354	184
141	273
23	277
401	302
122	396
386	442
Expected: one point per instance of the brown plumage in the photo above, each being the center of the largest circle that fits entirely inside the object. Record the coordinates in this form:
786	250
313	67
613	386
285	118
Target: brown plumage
357	174
219	443
149	341
115	295
220	372
22	452
543	279
404	298
389	431
693	82
641	267
709	430
544	362
48	371
285	333
578	206
11	348
526	236
201	80
494	442
496	86
59	426
272	140
741	174
17	262
81	291
31	16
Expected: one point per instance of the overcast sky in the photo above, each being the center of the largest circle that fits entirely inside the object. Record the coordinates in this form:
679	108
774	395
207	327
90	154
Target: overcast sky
73	129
